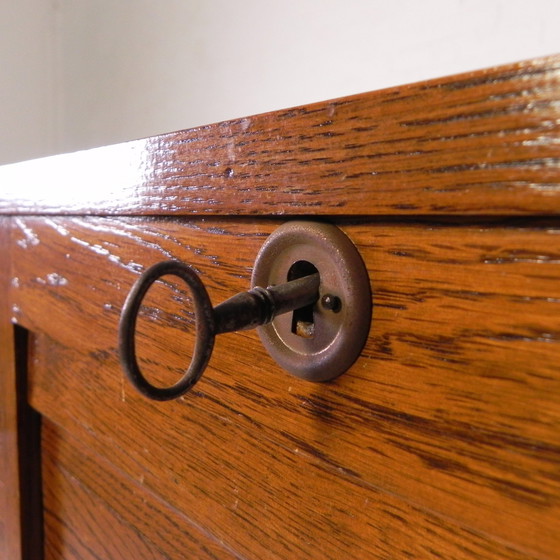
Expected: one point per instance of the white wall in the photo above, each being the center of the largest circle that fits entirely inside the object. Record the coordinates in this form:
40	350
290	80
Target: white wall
26	80
131	68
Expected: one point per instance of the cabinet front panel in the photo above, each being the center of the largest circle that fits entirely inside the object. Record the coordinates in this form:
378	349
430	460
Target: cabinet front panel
93	511
441	439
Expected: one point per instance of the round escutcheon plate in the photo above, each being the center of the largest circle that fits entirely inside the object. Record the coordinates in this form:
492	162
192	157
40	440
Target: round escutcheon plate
322	341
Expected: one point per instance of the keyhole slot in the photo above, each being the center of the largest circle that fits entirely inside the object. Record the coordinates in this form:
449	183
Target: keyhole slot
303	323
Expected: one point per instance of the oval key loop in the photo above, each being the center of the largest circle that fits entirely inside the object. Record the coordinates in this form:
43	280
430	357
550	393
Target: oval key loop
205	330
245	310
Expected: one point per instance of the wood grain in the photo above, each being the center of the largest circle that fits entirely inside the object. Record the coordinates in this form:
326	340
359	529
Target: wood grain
21	519
10	529
449	419
480	143
268	503
92	511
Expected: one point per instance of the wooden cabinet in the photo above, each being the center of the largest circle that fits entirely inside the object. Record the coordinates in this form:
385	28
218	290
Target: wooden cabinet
442	440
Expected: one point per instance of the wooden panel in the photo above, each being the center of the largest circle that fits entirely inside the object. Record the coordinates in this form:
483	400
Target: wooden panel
479	143
448	420
20	477
266	501
93	511
10	530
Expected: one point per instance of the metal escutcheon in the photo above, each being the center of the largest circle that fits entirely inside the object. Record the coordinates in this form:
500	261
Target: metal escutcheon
321	341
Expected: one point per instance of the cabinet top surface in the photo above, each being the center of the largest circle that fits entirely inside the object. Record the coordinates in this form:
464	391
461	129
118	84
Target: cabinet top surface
481	143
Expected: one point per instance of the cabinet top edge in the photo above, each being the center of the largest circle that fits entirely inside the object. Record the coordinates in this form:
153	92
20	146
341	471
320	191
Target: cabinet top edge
479	143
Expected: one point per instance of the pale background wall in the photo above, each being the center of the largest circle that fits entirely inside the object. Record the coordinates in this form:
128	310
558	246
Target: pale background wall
26	80
81	73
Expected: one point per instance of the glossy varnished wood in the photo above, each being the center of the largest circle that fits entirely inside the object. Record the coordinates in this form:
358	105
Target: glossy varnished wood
91	511
10	529
479	143
21	517
449	419
441	441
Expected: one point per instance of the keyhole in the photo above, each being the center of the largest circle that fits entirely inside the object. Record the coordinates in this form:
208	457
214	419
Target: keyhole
303	323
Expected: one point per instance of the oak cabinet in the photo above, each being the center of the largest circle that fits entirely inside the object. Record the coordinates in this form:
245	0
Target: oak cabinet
442	440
